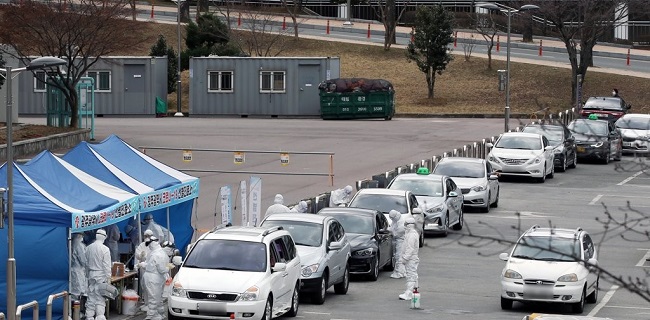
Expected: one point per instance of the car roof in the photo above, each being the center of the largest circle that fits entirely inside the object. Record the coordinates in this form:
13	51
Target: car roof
242	233
605	98
521	134
312	218
415	176
636	115
462	159
554	232
382	191
590	120
347	210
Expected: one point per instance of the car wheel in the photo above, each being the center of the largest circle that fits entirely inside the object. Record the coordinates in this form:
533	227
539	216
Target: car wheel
574	163
374	273
268	310
619	154
593	297
459	225
542	179
552	174
579	307
506	304
319	297
562	166
446	225
496	201
390	266
486	209
295	301
342	287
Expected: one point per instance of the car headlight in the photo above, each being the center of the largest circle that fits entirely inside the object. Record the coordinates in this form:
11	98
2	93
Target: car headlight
538	160
250	294
598	144
479	188
571	277
437	209
364	252
308	270
178	291
511	274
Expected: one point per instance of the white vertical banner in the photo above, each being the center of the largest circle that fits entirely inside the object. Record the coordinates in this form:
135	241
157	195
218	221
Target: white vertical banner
226	205
255	200
244	208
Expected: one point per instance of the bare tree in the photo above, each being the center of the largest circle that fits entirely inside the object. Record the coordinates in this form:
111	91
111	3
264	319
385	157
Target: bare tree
294	8
82	34
486	26
386	11
468	47
265	38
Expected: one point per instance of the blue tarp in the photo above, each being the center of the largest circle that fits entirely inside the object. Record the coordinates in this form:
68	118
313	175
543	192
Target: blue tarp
93	185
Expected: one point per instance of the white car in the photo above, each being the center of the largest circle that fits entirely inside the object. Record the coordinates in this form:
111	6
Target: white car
522	154
248	272
476	179
551	265
635	131
323	248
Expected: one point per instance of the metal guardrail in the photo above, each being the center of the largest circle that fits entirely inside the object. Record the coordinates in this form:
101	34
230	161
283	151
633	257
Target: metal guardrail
33	304
66	304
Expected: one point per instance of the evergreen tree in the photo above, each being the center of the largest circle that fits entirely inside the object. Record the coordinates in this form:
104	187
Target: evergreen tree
161	49
430	46
208	36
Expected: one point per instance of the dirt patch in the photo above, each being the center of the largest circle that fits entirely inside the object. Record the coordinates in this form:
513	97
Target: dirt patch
30	131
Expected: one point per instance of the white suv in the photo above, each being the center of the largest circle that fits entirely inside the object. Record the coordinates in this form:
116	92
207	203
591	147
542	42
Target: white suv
248	272
551	265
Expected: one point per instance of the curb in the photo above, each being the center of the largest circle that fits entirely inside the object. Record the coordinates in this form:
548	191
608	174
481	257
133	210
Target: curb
59	141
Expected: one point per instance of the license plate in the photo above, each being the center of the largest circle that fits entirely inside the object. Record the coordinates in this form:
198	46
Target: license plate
580	149
211	307
627	144
538	292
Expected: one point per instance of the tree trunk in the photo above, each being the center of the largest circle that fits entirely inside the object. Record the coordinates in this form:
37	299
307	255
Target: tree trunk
489	53
431	80
73	102
295	26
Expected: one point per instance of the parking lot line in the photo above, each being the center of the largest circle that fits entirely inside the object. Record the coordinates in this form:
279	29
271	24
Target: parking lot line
603	301
645	258
629	178
594	200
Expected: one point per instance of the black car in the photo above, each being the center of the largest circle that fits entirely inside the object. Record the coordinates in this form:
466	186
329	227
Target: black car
563	142
371	243
605	108
596	139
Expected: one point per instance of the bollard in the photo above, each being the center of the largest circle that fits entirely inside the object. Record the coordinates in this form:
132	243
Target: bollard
498	44
368	30
628	57
152	12
327	30
284	23
455	38
540	48
76	310
239	20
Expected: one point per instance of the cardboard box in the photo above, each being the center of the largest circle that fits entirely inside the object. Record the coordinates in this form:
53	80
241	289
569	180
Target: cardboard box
118	269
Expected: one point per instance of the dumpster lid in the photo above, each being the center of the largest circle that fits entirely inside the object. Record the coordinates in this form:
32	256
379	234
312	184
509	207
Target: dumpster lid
355	85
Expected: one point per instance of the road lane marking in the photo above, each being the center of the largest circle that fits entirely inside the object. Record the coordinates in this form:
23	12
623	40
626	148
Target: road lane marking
603	301
594	200
522	215
321	313
629	178
645	258
622	307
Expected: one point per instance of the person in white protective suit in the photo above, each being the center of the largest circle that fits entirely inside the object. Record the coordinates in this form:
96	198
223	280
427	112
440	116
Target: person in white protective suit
98	269
156	273
277	206
341	197
149	224
112	239
78	280
398	230
410	257
141	254
301	207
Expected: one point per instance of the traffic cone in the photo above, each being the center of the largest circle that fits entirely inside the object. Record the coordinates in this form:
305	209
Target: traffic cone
498	44
628	57
327	31
151	12
284	23
368	30
239	20
455	38
540	48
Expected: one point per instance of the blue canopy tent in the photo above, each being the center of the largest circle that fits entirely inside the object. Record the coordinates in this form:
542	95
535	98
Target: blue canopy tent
51	197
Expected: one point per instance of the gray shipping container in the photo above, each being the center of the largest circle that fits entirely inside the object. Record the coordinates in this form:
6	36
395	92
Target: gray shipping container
126	86
259	86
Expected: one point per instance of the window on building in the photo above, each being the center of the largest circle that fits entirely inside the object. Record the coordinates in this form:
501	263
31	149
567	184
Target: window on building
39	81
272	81
102	80
220	81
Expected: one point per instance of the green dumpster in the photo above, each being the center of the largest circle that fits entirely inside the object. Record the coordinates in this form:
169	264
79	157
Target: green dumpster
357	98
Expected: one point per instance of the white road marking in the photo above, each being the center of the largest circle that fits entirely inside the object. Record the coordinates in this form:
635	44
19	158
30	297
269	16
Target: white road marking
637	185
322	313
630	178
622	307
522	215
603	301
594	200
644	259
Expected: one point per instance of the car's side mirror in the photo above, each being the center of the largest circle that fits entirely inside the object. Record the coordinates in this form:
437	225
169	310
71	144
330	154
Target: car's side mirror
494	177
335	245
177	260
416	211
452	194
504	256
548	148
279	266
489	145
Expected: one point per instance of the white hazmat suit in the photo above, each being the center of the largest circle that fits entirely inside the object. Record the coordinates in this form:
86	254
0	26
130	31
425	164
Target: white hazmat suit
149	224
398	230
156	273
301	207
341	196
141	254
99	271
78	280
112	239
277	206
410	258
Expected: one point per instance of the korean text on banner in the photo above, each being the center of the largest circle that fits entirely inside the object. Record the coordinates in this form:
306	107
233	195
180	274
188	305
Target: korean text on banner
244	207
226	207
83	221
255	200
169	196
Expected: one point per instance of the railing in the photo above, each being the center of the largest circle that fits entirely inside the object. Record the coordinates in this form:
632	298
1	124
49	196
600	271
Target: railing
66	304
33	305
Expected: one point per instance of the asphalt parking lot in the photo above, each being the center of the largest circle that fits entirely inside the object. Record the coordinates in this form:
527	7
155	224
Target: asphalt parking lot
459	277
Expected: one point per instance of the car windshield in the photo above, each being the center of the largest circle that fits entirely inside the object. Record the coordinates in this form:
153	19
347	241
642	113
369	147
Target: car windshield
355	223
633	123
519	142
603	104
380	202
555	135
227	255
303	233
592	127
460	169
547	248
419	187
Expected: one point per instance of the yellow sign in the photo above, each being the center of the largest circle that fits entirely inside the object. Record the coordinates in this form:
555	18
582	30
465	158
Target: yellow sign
187	155
239	158
284	159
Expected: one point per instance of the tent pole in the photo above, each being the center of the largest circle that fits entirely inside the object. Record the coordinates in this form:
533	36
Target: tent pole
195	207
70	259
168	226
